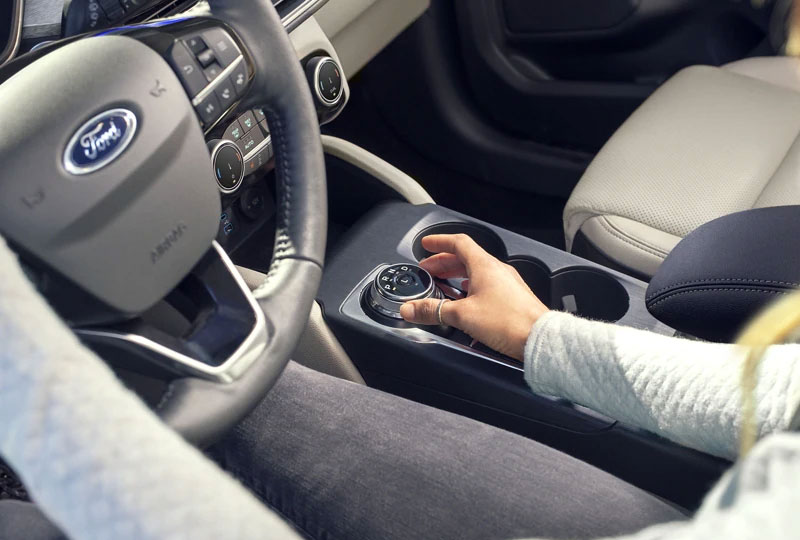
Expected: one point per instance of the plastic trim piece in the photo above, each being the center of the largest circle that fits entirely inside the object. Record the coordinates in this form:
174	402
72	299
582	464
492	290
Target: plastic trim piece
229	370
299	14
379	169
14	39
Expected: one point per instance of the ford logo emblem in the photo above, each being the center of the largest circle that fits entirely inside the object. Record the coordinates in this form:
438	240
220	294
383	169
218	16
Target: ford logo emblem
99	141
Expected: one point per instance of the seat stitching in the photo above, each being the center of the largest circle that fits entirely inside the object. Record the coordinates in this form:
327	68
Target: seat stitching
737	289
696	281
775	171
642	242
628	240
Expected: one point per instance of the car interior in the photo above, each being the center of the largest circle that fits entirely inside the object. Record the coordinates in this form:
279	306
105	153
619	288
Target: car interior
202	200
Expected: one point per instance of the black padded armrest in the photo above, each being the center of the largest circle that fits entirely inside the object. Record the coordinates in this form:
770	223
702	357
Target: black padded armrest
721	274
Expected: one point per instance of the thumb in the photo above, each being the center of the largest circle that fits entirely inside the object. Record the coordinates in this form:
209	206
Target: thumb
426	311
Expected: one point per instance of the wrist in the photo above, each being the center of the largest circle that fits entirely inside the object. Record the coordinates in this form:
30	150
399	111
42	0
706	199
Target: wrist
526	326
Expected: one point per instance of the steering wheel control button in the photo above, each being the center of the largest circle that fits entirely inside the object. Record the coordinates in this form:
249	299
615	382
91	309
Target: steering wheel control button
206	57
212	71
228	163
239	78
209	109
225	94
222	45
398	284
325	78
195	44
187	68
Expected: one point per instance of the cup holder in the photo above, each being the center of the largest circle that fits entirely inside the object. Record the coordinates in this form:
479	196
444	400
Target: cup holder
483	236
587	292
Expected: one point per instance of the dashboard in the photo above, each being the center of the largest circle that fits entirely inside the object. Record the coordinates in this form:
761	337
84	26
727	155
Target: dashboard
46	20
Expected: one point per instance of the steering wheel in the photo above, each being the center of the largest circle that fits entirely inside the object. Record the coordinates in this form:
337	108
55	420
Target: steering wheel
108	196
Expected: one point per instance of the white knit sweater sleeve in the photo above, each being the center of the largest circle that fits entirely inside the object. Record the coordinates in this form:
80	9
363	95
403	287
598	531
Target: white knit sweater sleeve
93	456
683	390
757	499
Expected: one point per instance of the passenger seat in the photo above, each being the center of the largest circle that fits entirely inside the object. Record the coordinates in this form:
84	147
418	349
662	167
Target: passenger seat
709	142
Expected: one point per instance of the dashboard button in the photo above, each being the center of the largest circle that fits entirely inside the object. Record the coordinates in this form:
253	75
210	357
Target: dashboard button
95	17
330	81
260	159
228	166
112	8
129	5
234	132
205	57
239	78
212	71
209	109
326	81
187	68
252	203
222	44
195	44
250	141
258	112
225	94
248	121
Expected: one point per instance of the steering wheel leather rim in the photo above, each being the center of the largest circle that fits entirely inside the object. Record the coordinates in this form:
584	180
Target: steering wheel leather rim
202	410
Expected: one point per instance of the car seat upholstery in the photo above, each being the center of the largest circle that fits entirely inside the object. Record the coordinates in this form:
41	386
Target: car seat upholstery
709	142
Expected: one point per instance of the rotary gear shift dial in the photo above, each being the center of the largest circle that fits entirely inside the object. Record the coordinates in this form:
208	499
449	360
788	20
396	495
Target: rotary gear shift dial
397	284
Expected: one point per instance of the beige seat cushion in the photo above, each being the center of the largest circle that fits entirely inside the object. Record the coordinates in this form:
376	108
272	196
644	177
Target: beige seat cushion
711	141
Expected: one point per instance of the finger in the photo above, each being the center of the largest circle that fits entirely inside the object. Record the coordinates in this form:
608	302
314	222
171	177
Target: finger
461	245
444	266
426	311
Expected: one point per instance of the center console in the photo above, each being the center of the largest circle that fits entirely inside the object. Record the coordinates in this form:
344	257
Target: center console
372	271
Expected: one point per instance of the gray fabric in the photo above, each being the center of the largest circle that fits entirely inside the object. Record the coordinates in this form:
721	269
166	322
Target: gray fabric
23	520
344	461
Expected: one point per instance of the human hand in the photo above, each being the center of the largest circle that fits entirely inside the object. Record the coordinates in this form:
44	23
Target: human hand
499	310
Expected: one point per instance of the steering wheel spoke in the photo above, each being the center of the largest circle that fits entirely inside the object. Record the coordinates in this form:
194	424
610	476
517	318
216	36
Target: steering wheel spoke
210	326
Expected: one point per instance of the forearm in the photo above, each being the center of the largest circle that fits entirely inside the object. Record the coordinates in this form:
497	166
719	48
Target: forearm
684	390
